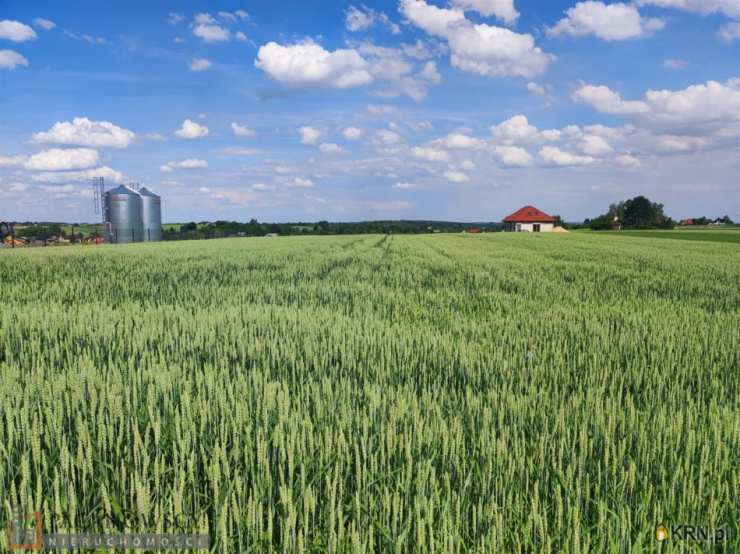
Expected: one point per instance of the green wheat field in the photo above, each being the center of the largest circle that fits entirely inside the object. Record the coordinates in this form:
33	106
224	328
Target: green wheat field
441	393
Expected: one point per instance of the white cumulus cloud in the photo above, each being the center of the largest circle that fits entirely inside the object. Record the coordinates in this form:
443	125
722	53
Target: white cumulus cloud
711	108
502	9
352	133
358	19
15	31
85	175
460	141
405	186
200	64
191	163
513	156
309	135
45	24
60	159
83	132
515	130
456	176
330	148
10	59
555	156
730	8
607	101
430	154
206	28
308	64
478	48
242	130
729	32
609	22
300	182
191	130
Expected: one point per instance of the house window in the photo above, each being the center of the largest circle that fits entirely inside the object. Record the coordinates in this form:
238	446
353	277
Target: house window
536	227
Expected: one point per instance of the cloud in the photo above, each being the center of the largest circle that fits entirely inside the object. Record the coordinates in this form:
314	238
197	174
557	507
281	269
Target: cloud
309	135
45	24
58	159
405	186
555	156
200	64
430	74
611	22
595	146
430	154
607	101
673	63
206	28
513	156
191	163
387	206
85	175
308	64
729	32
537	89
300	182
460	141
174	18
456	176
191	130
10	59
352	133
264	187
502	9
83	132
241	37
730	8
237	151
386	137
711	108
375	109
392	65
357	19
627	160
362	18
11	161
241	130
330	148
15	31
18	187
478	48
515	130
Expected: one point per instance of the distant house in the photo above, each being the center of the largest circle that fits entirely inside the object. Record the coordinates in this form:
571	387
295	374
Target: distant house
616	224
529	219
688	221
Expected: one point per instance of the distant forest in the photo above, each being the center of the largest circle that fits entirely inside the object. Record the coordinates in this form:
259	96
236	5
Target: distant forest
636	213
214	229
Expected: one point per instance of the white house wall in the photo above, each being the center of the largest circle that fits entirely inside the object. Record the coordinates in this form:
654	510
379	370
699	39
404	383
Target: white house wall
529	227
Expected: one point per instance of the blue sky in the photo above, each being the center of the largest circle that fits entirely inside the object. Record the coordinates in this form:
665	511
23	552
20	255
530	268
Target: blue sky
458	110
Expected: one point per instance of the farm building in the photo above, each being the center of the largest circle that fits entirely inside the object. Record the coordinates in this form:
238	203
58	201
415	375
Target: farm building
529	219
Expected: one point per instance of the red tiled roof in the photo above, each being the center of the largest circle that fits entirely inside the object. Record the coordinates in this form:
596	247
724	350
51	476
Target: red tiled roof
529	214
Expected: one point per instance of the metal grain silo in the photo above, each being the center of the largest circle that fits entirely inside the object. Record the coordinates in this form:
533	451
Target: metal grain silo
151	215
123	215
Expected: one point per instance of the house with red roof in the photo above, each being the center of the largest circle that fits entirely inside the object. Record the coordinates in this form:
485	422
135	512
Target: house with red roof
529	219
